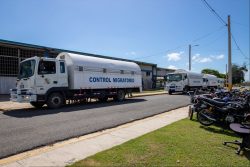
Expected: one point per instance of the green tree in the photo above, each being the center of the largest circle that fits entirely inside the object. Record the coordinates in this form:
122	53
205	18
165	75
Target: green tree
238	73
213	72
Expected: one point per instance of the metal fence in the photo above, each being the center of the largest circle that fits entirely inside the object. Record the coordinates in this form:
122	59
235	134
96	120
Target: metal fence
11	57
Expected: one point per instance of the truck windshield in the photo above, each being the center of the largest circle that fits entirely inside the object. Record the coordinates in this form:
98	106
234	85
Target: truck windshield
174	77
26	69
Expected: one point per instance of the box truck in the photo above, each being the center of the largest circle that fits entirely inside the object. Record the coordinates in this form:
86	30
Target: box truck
183	81
70	76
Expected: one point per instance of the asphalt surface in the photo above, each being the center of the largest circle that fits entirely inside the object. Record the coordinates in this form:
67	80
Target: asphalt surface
22	130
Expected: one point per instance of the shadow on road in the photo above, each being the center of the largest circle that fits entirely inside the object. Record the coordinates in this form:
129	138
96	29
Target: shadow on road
32	112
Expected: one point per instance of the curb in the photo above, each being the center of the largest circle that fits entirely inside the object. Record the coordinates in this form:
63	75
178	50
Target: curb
136	95
149	94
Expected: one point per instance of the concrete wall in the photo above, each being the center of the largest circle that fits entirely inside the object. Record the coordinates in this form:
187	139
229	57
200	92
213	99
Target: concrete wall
7	83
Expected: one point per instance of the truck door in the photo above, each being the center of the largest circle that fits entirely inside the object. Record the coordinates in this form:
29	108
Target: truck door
62	74
47	76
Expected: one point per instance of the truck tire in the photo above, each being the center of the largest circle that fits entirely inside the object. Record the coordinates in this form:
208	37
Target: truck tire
103	99
120	95
55	100
37	104
170	92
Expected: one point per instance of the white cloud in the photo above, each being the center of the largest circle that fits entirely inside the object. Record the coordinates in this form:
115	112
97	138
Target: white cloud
175	56
197	58
171	67
205	60
219	57
132	53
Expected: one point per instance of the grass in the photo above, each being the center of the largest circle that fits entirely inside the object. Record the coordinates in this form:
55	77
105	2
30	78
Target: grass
184	143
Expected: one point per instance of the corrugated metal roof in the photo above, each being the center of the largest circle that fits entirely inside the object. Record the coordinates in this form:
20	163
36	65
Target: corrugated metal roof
64	50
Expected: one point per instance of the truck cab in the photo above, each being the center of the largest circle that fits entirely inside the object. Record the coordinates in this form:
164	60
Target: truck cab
176	82
37	77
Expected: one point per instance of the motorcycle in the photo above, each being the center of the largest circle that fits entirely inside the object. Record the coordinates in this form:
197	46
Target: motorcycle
213	111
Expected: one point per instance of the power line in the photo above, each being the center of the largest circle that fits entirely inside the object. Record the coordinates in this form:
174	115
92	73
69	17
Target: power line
208	34
244	25
184	45
224	23
216	39
156	54
214	12
238	47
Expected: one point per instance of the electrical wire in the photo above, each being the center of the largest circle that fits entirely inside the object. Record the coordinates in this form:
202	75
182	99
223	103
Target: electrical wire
214	12
184	45
156	54
238	46
224	23
208	34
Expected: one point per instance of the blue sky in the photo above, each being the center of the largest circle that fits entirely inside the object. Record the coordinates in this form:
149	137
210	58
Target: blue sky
154	31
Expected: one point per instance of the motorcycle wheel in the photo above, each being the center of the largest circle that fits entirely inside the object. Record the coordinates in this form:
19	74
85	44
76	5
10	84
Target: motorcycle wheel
202	119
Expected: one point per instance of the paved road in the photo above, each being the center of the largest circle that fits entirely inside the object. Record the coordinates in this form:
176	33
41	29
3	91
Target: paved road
22	130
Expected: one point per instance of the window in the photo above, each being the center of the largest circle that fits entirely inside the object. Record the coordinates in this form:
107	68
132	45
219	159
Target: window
27	69
132	72
104	70
62	67
148	73
46	67
80	68
122	71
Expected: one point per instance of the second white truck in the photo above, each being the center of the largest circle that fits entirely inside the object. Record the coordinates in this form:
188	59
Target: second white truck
70	76
183	81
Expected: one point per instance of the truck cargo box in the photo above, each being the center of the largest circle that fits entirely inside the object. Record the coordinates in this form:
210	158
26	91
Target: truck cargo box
86	72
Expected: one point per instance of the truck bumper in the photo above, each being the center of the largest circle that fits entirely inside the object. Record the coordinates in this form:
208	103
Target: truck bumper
167	88
22	96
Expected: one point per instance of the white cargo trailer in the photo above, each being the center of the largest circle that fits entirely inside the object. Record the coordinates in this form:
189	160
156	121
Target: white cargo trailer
182	81
70	76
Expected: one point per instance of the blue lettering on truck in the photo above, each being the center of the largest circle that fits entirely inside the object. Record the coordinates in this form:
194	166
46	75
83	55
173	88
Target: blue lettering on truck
107	79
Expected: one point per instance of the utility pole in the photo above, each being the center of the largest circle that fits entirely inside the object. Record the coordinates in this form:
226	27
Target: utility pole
230	85
189	48
190	57
249	68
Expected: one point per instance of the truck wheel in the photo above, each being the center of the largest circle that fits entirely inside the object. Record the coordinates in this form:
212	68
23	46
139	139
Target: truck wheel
120	95
170	92
55	100
103	99
37	104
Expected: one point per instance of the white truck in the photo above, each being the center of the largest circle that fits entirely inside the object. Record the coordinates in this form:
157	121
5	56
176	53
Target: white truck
183	81
210	81
70	76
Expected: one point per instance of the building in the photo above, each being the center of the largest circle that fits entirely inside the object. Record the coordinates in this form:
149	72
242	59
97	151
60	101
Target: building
11	53
161	73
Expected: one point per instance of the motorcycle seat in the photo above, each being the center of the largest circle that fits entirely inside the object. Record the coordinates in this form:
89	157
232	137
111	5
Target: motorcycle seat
215	102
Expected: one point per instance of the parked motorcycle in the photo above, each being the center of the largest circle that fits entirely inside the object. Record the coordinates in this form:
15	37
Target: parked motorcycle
211	111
